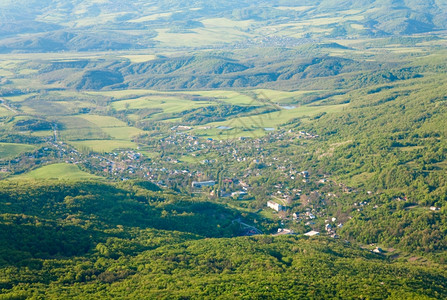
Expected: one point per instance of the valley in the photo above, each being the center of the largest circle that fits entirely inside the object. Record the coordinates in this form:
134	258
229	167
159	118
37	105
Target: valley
143	155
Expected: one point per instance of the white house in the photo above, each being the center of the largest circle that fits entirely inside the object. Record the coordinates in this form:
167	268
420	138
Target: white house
275	206
312	233
199	184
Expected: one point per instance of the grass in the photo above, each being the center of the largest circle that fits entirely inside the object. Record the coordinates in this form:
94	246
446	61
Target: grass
123	94
76	122
359	179
5	112
229	97
103	121
104	145
139	58
151	17
5	73
295	8
9	150
57	171
98	133
277	96
226	23
277	118
42	133
168	104
199	37
122	133
20	98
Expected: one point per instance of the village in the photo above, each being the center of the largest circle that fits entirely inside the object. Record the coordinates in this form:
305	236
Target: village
192	164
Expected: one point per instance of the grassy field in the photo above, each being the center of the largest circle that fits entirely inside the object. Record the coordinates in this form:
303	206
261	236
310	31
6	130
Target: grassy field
122	133
180	101
274	119
20	98
169	104
9	150
106	133
98	133
139	58
104	145
199	37
57	171
123	94
5	112
229	97
103	121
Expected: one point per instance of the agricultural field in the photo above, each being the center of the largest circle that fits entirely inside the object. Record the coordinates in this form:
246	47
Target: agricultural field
60	171
10	150
261	124
103	145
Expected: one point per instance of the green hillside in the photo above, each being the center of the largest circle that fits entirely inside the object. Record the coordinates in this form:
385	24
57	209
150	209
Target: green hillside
83	240
102	26
12	150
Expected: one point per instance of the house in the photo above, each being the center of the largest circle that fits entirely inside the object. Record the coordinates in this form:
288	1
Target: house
200	184
283	231
434	208
310	215
377	250
312	233
275	206
238	194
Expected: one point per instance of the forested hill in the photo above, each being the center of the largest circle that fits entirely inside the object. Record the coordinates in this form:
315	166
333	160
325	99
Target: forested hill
57	25
96	240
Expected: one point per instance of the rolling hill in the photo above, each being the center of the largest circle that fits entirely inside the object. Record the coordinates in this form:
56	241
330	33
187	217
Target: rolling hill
49	26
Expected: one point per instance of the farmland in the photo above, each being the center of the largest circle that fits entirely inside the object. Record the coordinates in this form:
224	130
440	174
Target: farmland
100	132
59	171
10	150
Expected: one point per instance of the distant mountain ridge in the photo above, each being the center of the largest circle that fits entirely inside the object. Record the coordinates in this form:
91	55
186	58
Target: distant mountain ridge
60	25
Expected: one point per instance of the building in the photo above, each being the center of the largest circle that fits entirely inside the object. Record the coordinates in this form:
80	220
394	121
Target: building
200	184
312	233
377	250
275	206
283	231
238	194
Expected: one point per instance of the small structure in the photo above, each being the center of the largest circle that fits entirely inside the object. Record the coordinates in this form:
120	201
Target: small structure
275	206
378	250
283	231
312	233
310	215
238	194
200	184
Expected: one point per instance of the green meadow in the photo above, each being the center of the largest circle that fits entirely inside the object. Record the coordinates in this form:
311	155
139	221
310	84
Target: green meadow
57	171
259	122
9	150
103	145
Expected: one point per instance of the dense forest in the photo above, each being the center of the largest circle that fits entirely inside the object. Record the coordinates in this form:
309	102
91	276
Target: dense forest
86	239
